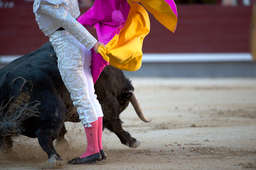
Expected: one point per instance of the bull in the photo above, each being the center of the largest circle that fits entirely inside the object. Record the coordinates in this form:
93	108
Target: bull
35	102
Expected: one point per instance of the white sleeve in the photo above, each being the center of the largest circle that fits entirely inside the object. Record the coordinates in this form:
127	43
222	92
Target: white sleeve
50	2
63	18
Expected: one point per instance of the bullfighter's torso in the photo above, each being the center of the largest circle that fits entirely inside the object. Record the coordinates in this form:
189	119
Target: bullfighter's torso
46	23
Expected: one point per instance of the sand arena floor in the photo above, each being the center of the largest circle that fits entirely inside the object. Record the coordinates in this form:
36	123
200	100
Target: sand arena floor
200	124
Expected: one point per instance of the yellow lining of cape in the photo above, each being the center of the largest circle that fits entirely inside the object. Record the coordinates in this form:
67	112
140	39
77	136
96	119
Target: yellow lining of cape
124	51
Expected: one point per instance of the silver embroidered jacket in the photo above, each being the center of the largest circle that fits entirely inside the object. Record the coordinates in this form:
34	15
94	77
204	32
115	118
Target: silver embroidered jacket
53	14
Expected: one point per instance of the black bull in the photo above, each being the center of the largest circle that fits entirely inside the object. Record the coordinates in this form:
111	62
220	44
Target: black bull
35	103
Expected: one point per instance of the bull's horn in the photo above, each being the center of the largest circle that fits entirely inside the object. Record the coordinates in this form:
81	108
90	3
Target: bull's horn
137	108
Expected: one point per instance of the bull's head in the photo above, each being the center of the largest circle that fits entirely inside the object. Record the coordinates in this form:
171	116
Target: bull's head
129	96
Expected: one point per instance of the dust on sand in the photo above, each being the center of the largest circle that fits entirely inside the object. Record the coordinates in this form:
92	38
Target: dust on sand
196	124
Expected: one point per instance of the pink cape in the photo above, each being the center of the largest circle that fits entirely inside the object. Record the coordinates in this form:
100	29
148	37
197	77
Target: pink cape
108	19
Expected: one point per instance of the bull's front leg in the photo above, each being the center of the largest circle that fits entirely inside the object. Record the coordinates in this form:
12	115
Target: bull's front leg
115	125
111	109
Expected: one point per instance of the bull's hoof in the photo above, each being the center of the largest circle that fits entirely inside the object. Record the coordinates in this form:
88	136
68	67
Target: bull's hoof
134	144
53	162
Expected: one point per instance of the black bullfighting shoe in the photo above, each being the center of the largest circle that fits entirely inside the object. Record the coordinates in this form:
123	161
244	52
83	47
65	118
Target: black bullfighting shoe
103	155
86	160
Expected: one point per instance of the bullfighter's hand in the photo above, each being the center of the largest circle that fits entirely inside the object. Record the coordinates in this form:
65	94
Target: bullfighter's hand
97	45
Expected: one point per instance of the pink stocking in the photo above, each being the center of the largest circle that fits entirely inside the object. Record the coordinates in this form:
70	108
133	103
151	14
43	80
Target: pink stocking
92	139
100	124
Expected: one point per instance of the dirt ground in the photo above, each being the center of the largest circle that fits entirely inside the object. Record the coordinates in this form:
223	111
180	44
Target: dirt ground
201	124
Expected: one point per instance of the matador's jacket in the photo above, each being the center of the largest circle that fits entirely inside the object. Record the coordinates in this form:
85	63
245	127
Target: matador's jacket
66	12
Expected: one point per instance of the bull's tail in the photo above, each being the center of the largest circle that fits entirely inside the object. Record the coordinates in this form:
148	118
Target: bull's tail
137	108
13	113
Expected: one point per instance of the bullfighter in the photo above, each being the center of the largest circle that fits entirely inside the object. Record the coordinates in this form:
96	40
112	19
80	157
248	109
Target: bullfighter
72	44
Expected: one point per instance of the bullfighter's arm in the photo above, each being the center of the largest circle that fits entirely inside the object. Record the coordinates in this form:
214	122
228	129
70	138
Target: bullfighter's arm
69	23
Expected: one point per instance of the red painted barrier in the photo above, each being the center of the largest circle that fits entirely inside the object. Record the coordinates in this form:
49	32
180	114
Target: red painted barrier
201	28
204	29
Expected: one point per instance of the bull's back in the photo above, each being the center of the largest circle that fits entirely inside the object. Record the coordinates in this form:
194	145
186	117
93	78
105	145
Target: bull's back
43	59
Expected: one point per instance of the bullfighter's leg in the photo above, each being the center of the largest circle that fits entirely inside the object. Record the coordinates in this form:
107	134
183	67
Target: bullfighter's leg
96	104
100	130
73	57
